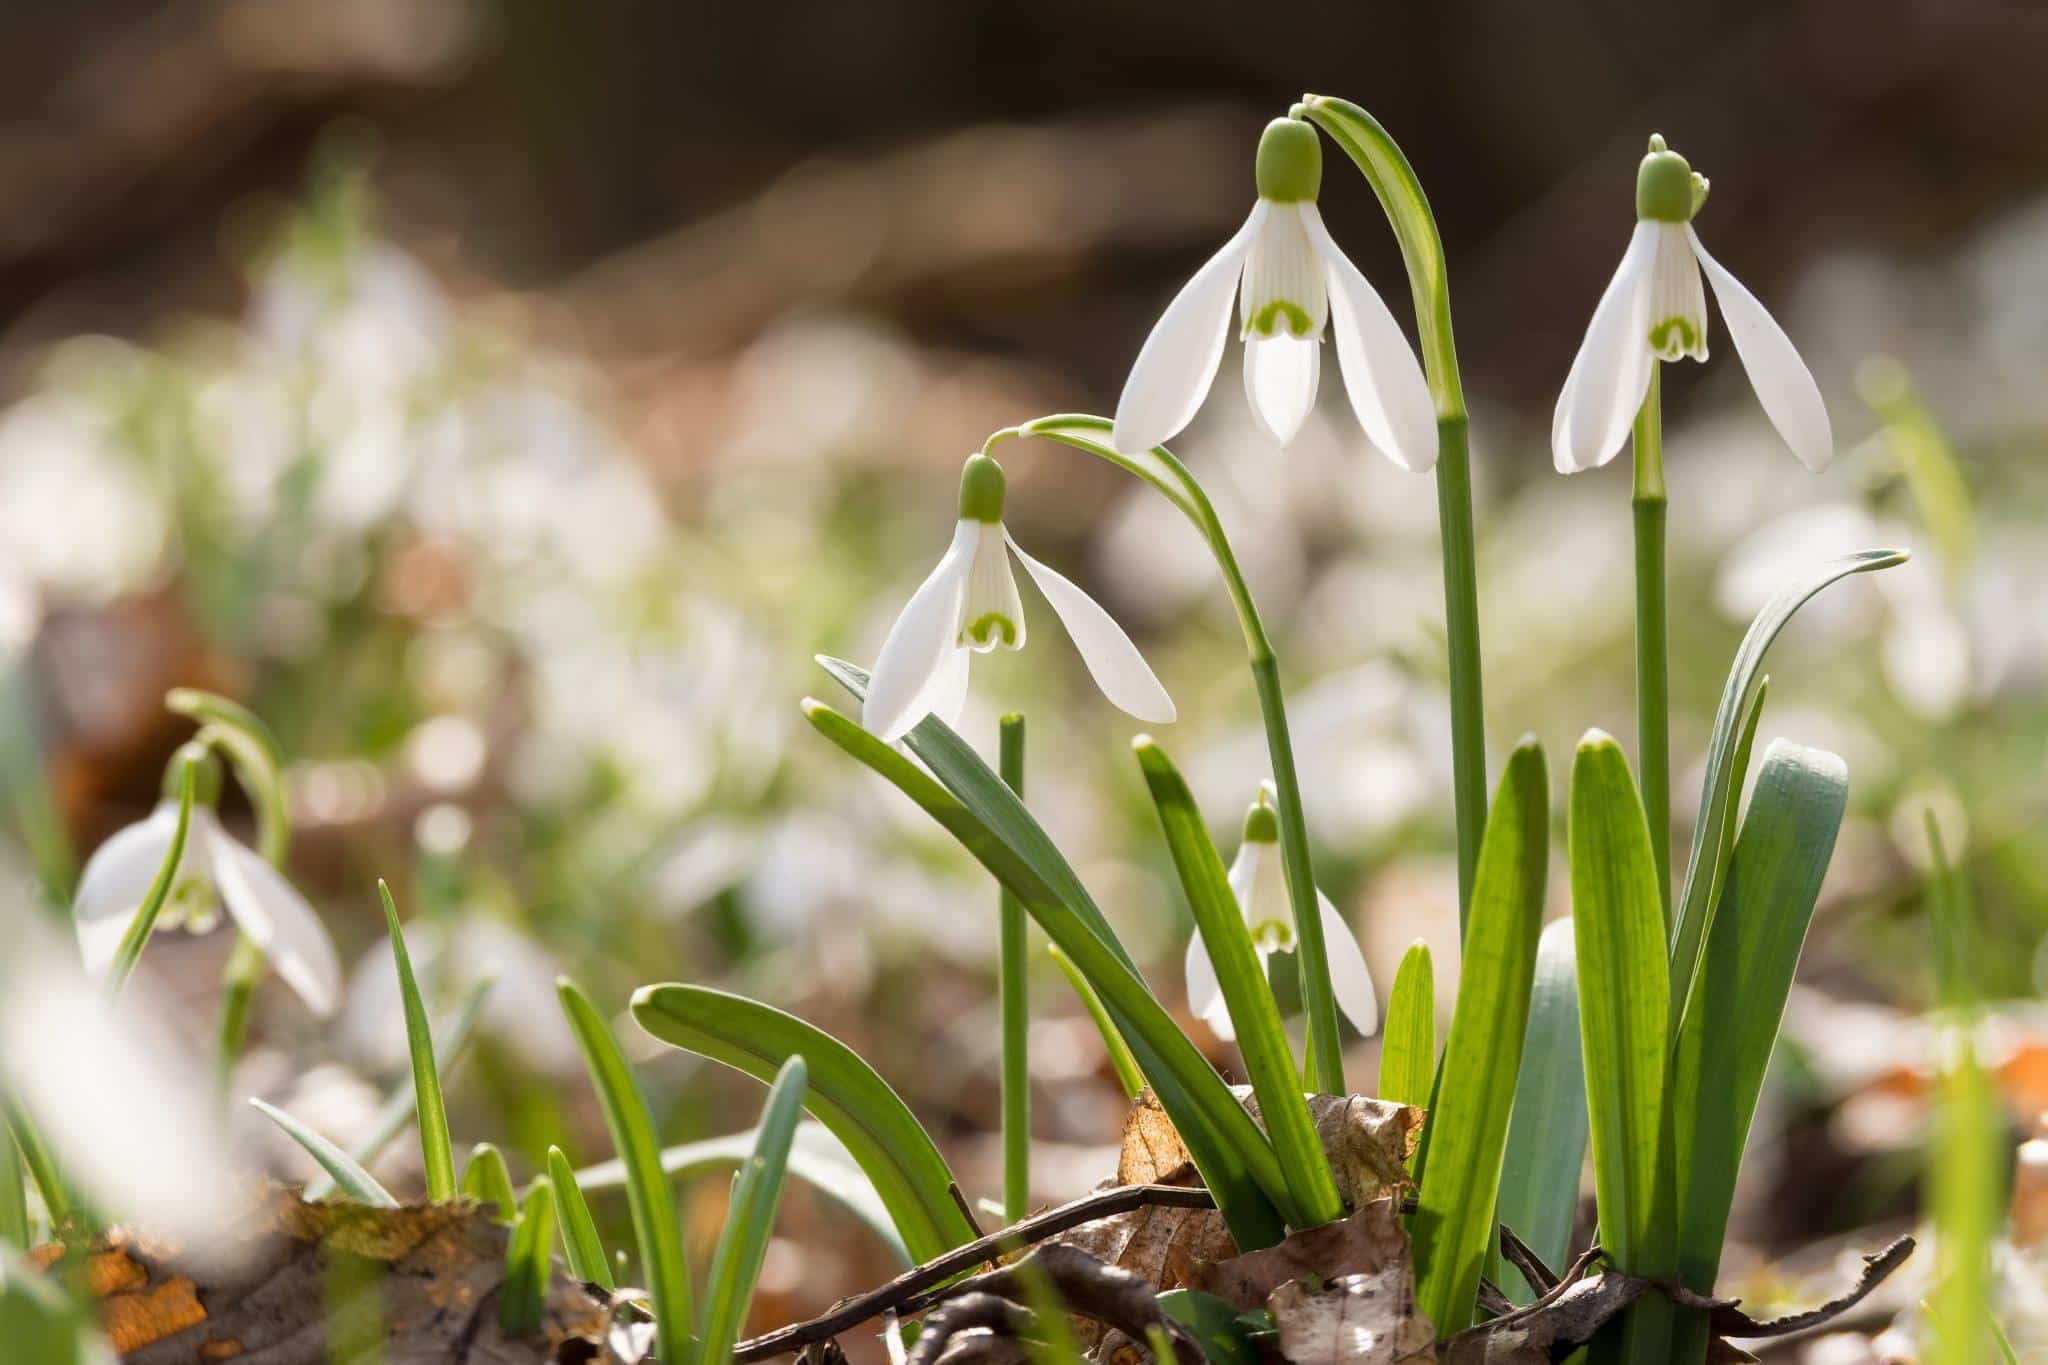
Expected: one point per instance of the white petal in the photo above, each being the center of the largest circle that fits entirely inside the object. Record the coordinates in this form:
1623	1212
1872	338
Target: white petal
1381	374
991	613
1280	374
1350	979
1244	873
1783	383
281	923
1611	373
117	879
1113	661
919	641
1178	362
1205	992
947	697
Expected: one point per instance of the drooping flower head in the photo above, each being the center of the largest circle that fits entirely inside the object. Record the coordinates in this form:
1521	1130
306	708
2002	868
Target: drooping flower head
1655	309
1258	879
969	605
1290	282
214	873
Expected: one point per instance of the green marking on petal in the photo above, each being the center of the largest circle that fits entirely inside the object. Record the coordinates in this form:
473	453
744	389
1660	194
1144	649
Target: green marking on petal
990	629
1267	320
1674	337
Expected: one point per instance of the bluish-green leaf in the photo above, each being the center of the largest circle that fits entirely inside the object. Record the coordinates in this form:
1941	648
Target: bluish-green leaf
525	1292
580	1242
750	1217
353	1181
1229	1150
1707	864
1730	1024
648	1194
844	1094
1539	1179
1408	1043
1453	1225
488	1180
436	1148
1311	1190
815	1157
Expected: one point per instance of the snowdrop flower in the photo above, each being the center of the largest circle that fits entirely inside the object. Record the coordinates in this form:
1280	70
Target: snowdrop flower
969	605
1655	309
1290	280
215	872
1260	884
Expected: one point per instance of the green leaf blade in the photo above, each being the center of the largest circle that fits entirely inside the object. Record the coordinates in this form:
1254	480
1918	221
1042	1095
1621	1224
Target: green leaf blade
139	929
1408	1042
845	1094
581	1245
488	1180
1453	1224
648	1195
750	1217
437	1149
524	1297
1539	1183
1120	1060
353	1181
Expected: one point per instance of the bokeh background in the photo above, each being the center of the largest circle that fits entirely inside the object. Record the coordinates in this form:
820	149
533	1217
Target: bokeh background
507	399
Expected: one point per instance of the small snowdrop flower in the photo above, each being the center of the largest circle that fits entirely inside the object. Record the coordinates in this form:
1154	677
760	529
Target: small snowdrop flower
969	605
1655	309
216	872
1290	281
1259	881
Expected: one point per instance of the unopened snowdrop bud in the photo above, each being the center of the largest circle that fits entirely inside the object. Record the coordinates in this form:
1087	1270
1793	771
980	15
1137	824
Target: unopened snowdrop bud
1289	168
206	775
1655	308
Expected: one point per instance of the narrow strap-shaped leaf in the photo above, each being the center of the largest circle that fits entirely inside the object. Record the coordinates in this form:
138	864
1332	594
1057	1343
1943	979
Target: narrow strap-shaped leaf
353	1181
1232	1154
750	1216
845	1094
1311	1189
648	1195
1618	923
488	1180
1453	1223
580	1242
139	929
403	1100
1120	1059
817	1158
1014	994
1539	1178
36	1158
1738	998
436	1148
1705	867
13	1193
1408	1042
525	1292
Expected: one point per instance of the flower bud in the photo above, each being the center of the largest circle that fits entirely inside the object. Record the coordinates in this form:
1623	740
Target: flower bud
206	774
1666	189
981	490
1290	162
1261	824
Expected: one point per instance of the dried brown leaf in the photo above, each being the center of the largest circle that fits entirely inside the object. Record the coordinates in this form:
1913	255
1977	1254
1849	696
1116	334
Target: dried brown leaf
1356	1320
1363	1244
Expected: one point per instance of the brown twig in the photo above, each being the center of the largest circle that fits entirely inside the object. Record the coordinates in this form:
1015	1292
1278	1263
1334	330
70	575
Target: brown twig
913	1283
1730	1321
1518	1254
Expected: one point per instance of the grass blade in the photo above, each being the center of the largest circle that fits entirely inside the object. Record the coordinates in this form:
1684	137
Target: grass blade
1453	1224
1708	862
524	1296
437	1150
750	1216
816	1157
1618	927
1312	1191
13	1194
1120	1059
844	1094
1408	1044
647	1191
1738	999
139	929
1231	1152
403	1101
353	1181
580	1242
1539	1179
488	1180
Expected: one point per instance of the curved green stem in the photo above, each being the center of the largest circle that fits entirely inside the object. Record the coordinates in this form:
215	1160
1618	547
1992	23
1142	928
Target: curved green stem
1653	682
1379	158
1324	1071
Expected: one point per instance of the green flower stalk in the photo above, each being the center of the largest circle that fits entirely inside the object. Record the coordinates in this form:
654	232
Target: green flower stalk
1393	180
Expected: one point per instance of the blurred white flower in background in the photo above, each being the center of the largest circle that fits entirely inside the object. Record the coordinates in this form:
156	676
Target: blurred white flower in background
80	516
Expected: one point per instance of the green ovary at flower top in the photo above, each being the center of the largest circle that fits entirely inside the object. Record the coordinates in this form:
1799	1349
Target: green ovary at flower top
215	872
1258	880
1655	309
969	605
1291	280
